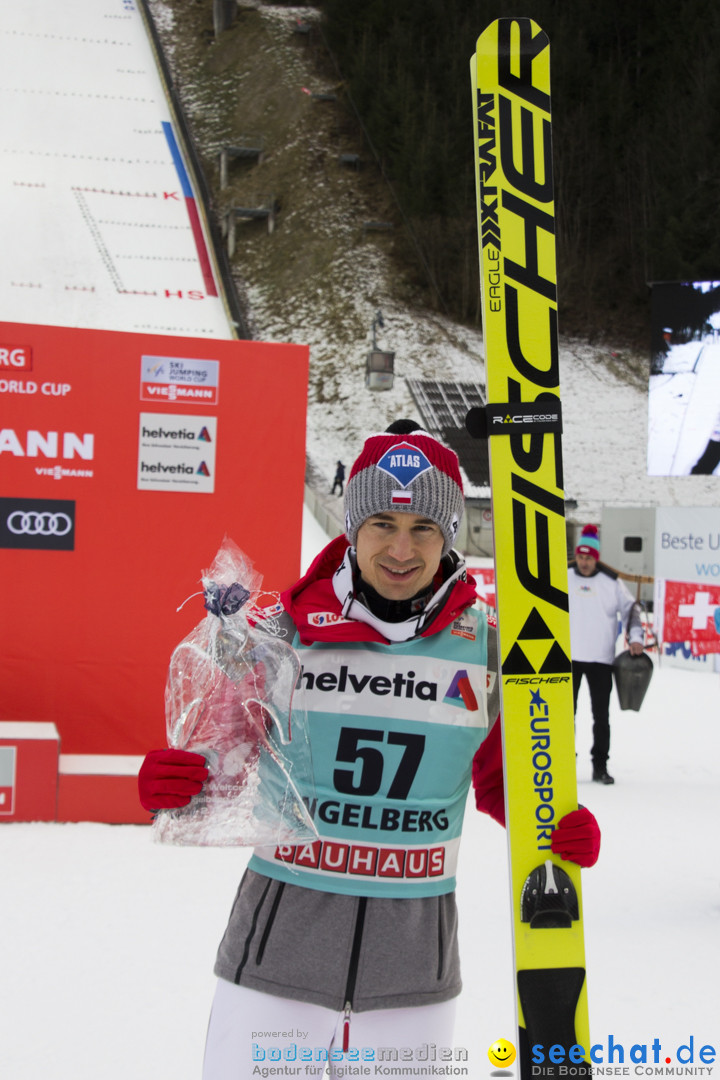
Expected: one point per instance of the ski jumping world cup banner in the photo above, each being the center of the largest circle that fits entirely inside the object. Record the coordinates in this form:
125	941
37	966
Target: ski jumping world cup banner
687	577
125	461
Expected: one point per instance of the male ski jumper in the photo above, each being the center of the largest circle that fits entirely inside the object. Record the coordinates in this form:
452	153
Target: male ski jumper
398	690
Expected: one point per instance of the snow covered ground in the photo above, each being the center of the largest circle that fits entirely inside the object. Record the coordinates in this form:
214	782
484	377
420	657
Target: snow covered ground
108	940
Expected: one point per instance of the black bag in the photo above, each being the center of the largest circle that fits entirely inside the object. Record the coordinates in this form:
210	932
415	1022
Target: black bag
632	678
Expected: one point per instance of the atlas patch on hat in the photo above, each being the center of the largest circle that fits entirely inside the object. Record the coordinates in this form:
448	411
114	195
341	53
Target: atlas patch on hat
404	463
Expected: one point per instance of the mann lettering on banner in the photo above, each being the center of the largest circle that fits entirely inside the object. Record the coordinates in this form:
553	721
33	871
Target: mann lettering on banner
46	524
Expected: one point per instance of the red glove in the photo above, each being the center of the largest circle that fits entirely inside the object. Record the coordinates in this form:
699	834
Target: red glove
487	775
170	778
577	837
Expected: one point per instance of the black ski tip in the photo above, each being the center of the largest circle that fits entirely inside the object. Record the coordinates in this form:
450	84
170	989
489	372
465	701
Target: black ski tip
476	422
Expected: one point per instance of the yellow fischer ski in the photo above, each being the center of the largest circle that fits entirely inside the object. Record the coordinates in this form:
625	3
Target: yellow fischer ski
522	419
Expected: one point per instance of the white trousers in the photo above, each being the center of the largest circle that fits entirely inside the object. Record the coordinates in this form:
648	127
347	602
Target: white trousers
252	1034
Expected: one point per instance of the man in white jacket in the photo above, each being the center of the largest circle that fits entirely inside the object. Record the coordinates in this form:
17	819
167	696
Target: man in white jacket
598	600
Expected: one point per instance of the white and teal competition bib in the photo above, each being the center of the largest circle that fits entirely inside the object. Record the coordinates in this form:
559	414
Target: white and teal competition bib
393	731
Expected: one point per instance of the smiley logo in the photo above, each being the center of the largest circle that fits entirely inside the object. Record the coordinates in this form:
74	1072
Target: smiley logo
501	1053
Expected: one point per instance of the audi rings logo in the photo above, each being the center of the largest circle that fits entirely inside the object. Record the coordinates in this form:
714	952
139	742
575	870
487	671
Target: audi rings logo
47	524
37	523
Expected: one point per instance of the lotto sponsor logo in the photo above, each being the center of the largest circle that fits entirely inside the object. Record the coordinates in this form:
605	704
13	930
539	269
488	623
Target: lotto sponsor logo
364	860
15	358
272	611
325	618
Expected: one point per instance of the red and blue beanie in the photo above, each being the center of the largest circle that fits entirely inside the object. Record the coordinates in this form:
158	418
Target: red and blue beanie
589	542
408	470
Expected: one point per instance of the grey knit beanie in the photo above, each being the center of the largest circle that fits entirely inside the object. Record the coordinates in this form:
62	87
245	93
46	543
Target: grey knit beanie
405	469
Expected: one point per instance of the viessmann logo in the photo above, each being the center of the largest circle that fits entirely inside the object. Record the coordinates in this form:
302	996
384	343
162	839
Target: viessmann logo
45	524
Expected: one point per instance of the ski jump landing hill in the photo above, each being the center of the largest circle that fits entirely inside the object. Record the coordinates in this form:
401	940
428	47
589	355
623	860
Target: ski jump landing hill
138	428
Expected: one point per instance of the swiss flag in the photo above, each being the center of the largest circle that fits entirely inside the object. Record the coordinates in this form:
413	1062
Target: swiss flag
691	614
484	579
